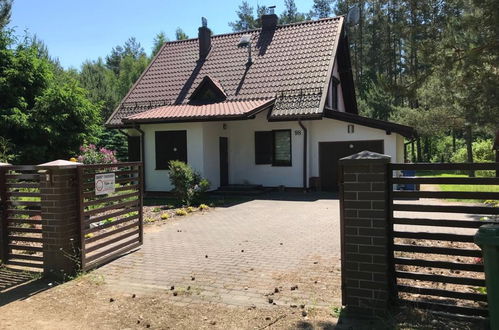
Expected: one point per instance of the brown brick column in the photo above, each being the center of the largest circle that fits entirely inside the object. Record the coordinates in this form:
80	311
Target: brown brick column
366	258
60	222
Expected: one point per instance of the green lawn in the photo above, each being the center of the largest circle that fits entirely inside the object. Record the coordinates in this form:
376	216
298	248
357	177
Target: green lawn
458	187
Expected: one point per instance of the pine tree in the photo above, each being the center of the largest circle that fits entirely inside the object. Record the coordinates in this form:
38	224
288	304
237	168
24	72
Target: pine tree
5	11
180	34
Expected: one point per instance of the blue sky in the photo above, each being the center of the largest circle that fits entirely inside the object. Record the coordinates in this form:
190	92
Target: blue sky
77	30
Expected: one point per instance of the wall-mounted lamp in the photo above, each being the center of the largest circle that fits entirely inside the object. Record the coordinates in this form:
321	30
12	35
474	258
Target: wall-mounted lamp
224	126
350	129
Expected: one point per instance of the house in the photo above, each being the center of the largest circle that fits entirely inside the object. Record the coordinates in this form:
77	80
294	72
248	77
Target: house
273	106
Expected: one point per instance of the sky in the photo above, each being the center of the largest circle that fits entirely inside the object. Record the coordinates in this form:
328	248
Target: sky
79	30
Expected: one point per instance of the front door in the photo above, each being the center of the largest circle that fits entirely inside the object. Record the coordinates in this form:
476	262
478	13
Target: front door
331	152
224	161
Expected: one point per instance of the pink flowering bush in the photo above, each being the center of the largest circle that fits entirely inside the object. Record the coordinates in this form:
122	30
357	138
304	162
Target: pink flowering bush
90	154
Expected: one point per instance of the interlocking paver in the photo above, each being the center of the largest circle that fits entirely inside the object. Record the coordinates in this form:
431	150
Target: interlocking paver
288	239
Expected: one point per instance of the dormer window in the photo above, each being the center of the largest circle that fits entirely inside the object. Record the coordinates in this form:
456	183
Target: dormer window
209	90
332	97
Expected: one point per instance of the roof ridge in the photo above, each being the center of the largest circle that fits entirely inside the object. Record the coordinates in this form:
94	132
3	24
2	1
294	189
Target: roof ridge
279	26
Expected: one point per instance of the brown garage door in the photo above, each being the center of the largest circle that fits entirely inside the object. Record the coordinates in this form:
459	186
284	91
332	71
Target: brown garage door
331	152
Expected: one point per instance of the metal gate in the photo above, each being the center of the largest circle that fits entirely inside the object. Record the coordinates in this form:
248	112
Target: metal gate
21	223
110	201
436	264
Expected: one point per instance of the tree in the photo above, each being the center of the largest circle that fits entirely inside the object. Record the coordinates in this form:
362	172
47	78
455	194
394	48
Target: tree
180	34
245	20
158	42
131	48
5	11
321	9
291	14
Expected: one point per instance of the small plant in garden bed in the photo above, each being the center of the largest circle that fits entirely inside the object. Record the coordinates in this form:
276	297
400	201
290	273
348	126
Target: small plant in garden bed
190	209
203	207
165	216
181	212
156	209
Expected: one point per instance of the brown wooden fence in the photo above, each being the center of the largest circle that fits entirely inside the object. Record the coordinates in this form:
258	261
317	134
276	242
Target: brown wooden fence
436	264
21	224
111	224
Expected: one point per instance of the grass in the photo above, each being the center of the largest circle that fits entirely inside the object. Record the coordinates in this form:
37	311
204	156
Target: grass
458	187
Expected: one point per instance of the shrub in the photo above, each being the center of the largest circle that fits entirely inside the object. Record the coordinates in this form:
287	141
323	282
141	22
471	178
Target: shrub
181	212
89	154
188	184
165	216
190	209
203	207
482	153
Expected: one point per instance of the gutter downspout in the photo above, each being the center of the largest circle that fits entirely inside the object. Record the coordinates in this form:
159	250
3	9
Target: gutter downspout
142	155
304	155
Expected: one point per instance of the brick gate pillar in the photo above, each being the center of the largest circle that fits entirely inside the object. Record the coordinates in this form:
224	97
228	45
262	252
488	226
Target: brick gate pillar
4	240
367	277
60	218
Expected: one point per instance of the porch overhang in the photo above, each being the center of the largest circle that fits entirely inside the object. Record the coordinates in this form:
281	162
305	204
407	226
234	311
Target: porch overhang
227	110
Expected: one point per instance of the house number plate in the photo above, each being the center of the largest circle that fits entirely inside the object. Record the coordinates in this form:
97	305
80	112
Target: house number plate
104	183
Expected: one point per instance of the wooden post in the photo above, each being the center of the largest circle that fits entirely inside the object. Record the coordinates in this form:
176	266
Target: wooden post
4	236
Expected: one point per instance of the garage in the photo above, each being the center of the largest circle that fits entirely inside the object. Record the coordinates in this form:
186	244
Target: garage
331	152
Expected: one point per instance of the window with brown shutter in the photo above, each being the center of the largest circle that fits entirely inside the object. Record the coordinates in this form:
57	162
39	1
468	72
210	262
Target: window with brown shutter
170	145
263	147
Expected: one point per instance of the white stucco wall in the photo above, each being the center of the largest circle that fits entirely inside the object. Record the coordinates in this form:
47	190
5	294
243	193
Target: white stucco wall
330	130
203	149
157	180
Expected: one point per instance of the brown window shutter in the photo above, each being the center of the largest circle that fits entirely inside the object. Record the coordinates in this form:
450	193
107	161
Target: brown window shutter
263	147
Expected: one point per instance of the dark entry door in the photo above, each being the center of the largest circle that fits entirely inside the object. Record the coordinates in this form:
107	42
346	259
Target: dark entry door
224	161
331	152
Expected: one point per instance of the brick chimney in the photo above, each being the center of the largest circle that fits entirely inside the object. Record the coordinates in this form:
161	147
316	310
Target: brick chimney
204	35
269	21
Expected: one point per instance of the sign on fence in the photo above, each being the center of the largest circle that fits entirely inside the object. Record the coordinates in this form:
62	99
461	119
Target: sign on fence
104	183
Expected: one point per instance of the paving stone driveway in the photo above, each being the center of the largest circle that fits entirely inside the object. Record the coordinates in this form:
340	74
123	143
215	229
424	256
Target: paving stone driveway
279	248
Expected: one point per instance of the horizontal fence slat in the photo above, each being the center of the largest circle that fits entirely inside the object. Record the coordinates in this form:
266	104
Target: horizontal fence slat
31	168
87	223
112	207
438	250
111	199
110	224
442	222
440	278
25	248
91	185
443	293
22	176
22	185
94	262
88	176
113	249
115	165
24	230
444	166
25	257
23	194
438	264
24	221
445	194
24	212
91	194
446	180
95	247
111	232
26	239
24	264
434	307
446	208
23	203
435	236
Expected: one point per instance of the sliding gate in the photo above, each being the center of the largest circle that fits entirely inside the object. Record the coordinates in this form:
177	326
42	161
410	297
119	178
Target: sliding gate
110	199
437	265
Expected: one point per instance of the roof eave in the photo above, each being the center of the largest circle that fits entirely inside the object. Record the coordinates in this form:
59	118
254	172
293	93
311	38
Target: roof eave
406	131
